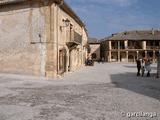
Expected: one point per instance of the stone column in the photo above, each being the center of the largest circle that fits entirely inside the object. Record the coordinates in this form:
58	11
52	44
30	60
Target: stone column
109	56
126	56
119	54
144	45
110	45
126	44
119	45
137	54
67	59
72	60
51	37
154	56
109	52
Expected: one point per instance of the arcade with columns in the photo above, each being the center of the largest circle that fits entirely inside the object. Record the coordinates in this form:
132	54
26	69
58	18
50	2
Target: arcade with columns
115	49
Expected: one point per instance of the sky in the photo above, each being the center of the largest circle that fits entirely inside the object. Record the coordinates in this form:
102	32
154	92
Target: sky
105	17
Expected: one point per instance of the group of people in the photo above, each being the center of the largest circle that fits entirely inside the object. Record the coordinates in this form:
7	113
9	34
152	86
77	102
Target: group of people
142	66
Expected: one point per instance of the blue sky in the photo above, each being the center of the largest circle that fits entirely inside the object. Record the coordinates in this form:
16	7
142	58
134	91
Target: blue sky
104	17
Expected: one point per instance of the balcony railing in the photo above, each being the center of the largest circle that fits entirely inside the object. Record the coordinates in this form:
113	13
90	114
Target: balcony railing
153	47
75	37
116	48
134	47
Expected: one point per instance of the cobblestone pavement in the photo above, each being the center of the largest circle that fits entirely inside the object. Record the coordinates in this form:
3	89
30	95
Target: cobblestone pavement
103	92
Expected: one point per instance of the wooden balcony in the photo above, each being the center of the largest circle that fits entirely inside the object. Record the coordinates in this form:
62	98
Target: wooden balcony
134	49
75	38
153	47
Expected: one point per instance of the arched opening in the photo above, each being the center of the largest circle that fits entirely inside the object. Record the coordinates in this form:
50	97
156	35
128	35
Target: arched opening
62	61
130	58
94	56
150	54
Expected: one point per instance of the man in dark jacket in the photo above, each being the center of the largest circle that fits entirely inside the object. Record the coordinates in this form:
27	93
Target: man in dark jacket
138	67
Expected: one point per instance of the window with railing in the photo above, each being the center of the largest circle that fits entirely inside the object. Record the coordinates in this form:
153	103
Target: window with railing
134	44
114	45
118	45
122	46
73	36
77	38
150	44
153	45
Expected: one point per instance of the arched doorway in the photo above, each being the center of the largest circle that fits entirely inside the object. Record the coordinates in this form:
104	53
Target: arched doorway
62	61
94	56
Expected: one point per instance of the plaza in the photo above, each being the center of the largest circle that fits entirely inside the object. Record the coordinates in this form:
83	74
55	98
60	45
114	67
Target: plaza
109	91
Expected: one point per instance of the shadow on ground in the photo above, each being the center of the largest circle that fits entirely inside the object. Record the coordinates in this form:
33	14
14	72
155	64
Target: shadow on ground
134	66
148	86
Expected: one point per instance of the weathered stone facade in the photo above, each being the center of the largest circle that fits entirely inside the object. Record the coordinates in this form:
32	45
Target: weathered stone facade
35	40
94	45
130	45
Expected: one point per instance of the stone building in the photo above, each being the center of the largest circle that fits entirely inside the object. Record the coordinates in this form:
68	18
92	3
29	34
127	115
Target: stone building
129	45
40	37
94	45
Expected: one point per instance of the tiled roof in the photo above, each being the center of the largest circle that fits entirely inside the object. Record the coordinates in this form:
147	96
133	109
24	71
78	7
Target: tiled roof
93	41
9	1
2	2
64	6
136	35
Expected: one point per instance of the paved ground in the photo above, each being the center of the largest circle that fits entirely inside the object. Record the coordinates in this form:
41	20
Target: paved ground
103	92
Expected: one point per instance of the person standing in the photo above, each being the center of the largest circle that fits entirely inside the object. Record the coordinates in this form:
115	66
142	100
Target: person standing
102	60
138	67
143	67
148	67
158	66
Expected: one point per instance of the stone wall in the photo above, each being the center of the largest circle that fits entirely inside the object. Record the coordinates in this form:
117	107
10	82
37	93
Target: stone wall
75	57
95	48
31	38
22	27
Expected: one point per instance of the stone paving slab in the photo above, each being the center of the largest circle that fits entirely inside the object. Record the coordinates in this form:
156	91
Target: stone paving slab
108	91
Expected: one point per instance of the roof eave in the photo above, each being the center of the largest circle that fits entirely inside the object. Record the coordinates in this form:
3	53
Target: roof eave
68	10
